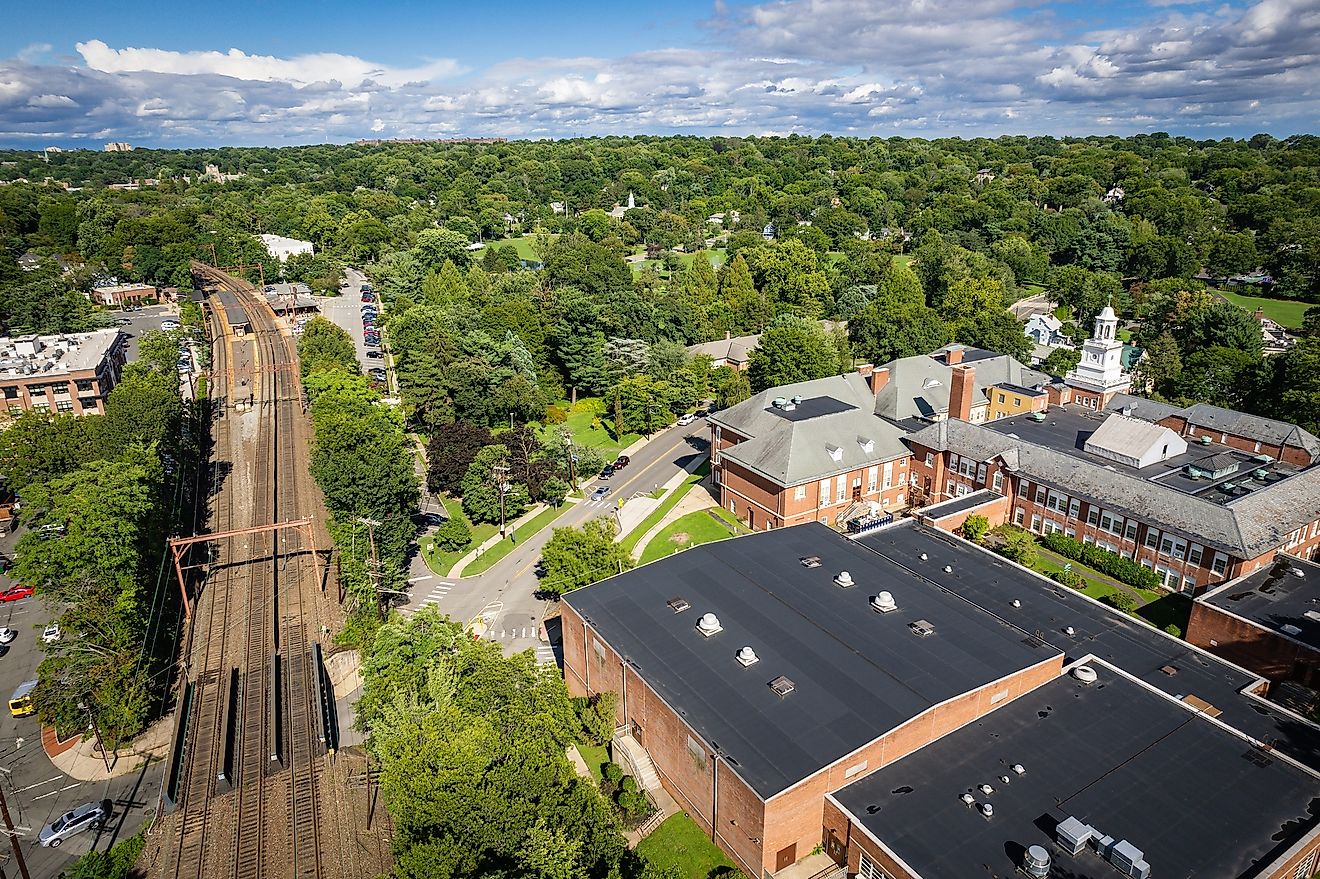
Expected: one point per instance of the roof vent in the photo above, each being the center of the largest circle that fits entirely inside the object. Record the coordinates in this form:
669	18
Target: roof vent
709	624
968	799
1290	629
930	383
922	557
985	789
1018	769
779	402
1312	615
1069	631
782	686
797	399
844	580
810	561
987	810
948	569
1038	417
1296	572
1036	862
922	627
1205	439
1003	779
678	605
1085	674
867	444
1015	603
747	656
883	603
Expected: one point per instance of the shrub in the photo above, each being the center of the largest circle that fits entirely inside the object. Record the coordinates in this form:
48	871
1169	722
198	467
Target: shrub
628	784
974	528
453	535
596	715
1122	601
632	803
612	772
1020	547
1071	579
555	415
1121	569
1172	629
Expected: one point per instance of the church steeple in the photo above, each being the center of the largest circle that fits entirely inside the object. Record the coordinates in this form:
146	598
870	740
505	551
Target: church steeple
1101	367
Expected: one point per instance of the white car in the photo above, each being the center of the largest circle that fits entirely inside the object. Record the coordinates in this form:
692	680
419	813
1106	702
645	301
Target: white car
7	635
685	419
169	325
74	821
51	634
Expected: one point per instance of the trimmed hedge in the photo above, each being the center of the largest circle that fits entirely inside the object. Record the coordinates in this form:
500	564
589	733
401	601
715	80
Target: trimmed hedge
1104	561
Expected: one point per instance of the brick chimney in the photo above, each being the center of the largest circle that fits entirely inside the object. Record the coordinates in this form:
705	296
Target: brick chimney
865	370
879	379
953	356
962	386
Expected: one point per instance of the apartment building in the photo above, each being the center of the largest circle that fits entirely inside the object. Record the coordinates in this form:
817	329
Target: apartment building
910	705
70	374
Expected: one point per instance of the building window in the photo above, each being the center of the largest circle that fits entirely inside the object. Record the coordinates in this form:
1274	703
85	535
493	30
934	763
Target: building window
1093	516
11	393
1040	494
1220	563
40	406
867	869
1130	532
980	474
1035	523
841	487
1018	516
1303	870
84	385
1074	507
824	492
872	474
1152	538
930	459
998	482
889	475
64	405
948	488
800	493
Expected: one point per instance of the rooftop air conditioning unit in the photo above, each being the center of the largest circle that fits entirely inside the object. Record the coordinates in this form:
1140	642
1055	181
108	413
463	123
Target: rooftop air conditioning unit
779	402
709	624
678	605
883	603
1205	439
1072	835
797	399
1036	862
1085	674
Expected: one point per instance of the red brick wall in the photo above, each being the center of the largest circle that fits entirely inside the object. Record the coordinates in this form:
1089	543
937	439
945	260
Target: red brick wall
1287	868
1292	455
995	511
794	816
1268	654
844	842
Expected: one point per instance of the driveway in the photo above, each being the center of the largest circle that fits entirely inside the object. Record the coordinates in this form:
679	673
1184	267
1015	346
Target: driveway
37	792
505	596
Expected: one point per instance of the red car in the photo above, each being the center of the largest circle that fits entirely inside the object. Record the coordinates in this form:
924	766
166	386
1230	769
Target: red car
14	593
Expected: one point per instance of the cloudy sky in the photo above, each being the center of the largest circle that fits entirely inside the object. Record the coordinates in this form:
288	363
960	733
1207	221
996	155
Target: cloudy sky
249	72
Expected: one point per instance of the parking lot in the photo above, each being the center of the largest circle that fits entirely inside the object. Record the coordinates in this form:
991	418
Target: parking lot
36	790
346	312
139	322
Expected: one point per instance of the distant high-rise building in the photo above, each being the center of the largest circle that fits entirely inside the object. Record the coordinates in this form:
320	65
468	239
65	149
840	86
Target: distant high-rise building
118	147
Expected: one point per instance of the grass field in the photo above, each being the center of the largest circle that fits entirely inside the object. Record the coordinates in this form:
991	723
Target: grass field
693	529
1288	312
488	558
442	562
581	418
678	842
1160	609
630	542
595	756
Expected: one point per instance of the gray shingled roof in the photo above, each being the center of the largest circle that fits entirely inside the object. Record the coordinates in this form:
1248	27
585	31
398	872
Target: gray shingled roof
792	451
1149	410
1252	426
1246	527
919	386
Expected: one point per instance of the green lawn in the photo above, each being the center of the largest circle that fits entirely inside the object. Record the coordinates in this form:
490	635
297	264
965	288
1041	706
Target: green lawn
1288	312
442	562
678	842
1160	609
696	528
903	259
580	422
630	541
595	756
504	547
525	245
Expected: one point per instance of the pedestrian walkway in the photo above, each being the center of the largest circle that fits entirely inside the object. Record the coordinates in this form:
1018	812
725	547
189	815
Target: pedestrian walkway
438	590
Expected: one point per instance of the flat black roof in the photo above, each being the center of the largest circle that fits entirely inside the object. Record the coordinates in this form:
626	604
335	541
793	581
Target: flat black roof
959	504
1196	799
1046	609
856	673
813	407
1275	597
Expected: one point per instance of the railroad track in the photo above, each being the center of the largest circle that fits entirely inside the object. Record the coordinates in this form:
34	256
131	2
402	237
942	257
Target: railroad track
272	708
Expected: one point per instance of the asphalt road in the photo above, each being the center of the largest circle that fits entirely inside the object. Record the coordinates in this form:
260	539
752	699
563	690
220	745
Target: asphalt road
36	791
504	595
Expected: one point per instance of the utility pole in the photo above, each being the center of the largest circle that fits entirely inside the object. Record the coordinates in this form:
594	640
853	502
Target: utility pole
572	459
374	570
100	742
501	485
13	836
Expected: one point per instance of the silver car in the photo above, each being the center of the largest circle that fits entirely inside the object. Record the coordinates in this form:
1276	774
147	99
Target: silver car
74	821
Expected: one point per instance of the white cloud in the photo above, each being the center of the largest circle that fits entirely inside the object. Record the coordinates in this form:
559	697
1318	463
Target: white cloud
51	101
300	70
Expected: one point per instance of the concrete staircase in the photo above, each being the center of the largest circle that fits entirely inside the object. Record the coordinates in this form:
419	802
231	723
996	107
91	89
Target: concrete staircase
636	761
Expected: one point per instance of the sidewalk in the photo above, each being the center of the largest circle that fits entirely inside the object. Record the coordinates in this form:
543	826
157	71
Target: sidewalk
697	497
77	757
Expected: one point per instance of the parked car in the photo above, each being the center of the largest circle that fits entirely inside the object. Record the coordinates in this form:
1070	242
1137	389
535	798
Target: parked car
268	289
373	339
14	593
51	634
686	418
374	354
433	520
74	821
377	374
607	472
368	297
621	462
7	635
168	325
600	492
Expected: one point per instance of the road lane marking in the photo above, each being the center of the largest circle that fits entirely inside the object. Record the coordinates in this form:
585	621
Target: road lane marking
420	579
39	784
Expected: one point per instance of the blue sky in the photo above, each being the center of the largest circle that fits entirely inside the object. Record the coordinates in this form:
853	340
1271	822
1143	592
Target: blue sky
178	74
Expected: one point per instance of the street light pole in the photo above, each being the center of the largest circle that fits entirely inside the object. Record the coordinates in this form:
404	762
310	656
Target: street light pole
572	477
499	472
100	742
375	564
